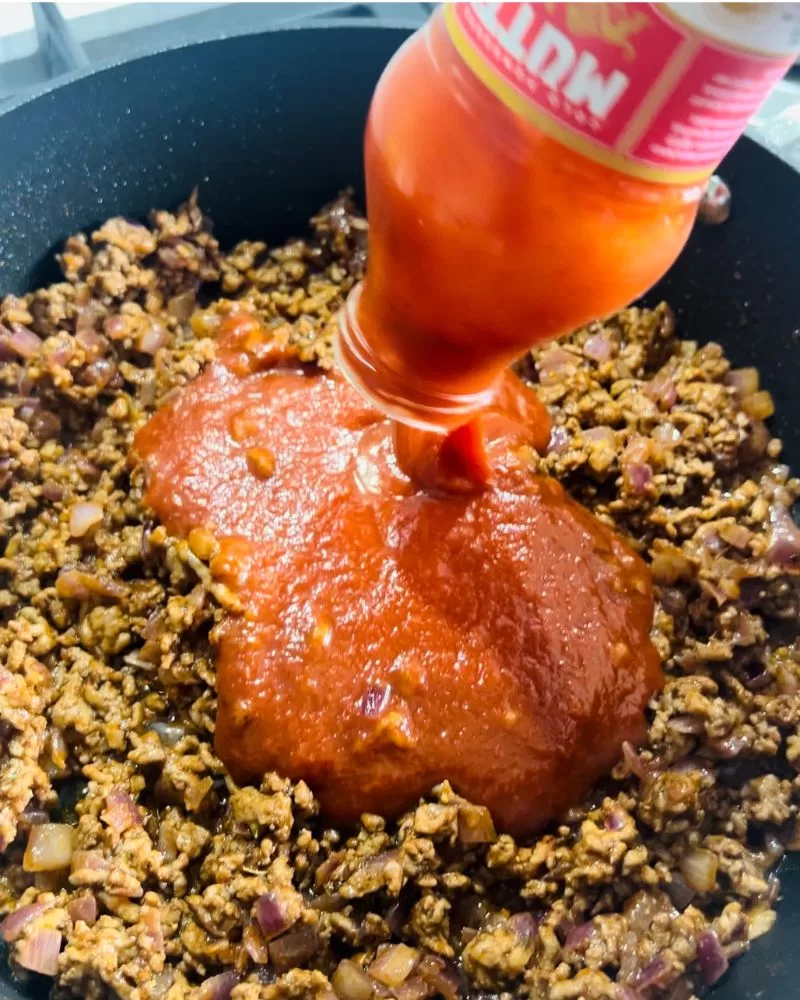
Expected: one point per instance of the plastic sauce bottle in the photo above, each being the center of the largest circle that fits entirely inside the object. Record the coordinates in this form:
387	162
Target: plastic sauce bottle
533	166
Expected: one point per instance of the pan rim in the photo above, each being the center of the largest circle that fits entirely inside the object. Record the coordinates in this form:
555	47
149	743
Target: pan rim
114	62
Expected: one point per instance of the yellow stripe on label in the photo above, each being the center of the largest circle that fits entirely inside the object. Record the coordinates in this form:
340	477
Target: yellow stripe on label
554	129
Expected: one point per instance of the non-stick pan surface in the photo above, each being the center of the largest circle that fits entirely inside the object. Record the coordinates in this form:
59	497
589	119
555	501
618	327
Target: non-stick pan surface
269	126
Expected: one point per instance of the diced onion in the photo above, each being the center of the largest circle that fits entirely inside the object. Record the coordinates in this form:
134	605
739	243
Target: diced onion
699	867
293	948
152	339
83	517
83	908
710	957
759	406
218	987
784	539
78	584
40	952
553	362
254	944
121	813
475	825
680	892
744	380
350	982
20	340
50	847
272	915
599	347
394	964
15	923
580	935
441	975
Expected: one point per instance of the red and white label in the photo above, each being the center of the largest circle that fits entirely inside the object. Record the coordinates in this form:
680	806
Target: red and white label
636	85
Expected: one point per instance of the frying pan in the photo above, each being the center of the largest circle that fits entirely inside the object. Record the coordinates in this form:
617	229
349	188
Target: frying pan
269	126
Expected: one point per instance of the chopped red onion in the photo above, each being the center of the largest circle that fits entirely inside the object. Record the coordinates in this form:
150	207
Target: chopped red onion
83	517
182	306
710	957
667	434
272	915
655	973
637	476
661	388
33	815
635	763
169	733
394	964
735	534
218	987
40	952
150	920
99	373
580	935
350	982
755	444
254	944
45	424
152	339
690	725
628	993
414	988
554	361
50	847
15	923
83	908
600	434
559	440
644	907
699	867
60	354
79	584
162	983
599	347
679	891
20	340
88	316
121	812
53	492
475	825
524	926
94	344
784	544
91	861
293	948
731	746
441	975
117	327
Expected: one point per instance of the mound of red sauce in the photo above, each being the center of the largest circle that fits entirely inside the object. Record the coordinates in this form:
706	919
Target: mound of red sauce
414	608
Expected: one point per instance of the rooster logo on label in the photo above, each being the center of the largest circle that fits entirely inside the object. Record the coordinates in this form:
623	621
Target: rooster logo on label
615	23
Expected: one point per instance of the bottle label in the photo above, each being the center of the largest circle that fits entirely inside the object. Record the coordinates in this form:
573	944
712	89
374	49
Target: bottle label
659	91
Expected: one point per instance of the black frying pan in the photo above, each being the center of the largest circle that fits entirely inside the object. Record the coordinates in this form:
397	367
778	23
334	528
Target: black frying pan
270	127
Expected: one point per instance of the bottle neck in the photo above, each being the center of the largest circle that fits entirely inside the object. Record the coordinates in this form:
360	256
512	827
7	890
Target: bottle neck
402	396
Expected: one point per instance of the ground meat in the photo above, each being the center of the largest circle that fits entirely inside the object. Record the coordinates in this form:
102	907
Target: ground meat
182	885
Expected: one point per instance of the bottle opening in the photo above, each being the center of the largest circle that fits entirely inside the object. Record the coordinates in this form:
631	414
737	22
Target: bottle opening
414	402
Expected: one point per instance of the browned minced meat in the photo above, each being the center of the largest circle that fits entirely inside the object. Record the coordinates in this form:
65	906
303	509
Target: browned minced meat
107	698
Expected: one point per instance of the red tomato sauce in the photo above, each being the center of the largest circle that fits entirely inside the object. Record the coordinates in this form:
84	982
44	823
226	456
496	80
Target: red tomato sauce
393	636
